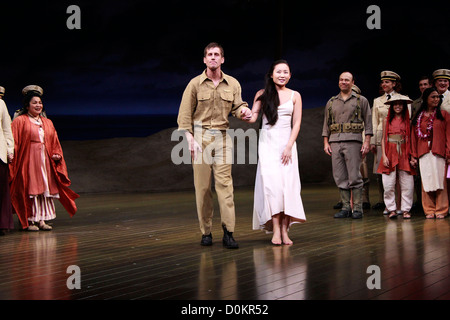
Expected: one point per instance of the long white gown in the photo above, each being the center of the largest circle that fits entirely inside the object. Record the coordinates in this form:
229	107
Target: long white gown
277	186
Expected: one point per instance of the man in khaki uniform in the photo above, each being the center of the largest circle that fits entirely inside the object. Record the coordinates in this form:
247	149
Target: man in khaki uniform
441	82
424	83
205	106
441	79
346	116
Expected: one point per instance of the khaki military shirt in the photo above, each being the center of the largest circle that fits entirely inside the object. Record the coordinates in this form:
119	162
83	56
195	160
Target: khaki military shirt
209	106
379	113
343	112
446	102
415	107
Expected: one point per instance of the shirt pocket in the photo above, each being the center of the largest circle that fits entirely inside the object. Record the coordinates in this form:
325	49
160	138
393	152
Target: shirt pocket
227	96
203	101
227	99
203	97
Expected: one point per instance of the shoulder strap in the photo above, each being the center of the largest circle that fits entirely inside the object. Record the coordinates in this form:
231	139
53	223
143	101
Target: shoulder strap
357	115
330	111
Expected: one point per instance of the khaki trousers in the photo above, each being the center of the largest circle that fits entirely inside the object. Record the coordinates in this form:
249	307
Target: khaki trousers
214	162
346	162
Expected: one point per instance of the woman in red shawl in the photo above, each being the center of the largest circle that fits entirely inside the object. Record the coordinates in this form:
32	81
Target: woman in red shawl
396	156
38	173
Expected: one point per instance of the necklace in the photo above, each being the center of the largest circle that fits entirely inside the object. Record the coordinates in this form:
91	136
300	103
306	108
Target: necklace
428	133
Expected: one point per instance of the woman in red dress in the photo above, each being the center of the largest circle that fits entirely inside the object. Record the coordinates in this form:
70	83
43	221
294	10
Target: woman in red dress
395	157
38	173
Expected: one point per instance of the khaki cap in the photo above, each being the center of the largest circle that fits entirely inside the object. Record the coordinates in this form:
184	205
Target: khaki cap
32	88
399	97
390	75
441	74
2	91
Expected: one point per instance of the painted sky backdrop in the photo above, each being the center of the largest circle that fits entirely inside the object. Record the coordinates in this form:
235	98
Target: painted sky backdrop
136	57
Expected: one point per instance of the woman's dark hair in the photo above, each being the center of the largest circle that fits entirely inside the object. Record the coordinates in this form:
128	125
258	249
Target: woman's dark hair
26	101
424	106
269	99
392	113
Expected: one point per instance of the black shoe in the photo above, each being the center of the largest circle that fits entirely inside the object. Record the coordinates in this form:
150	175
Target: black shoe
379	206
206	240
338	205
343	214
357	215
228	240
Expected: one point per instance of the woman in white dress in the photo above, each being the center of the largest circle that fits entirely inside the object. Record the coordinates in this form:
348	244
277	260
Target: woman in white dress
277	200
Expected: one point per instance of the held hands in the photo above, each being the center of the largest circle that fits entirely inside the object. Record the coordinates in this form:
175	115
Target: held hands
246	114
413	162
56	157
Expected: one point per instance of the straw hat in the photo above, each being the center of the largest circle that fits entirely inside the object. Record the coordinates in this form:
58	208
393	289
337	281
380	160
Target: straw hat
399	97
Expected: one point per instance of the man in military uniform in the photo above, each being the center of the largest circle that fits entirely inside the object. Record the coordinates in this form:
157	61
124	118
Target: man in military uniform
441	82
424	82
346	116
207	101
441	79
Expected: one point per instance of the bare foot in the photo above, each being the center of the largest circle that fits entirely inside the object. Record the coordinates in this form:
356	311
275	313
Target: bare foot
286	239
276	239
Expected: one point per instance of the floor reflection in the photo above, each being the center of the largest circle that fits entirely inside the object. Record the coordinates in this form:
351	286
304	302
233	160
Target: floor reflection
436	251
42	273
278	275
217	282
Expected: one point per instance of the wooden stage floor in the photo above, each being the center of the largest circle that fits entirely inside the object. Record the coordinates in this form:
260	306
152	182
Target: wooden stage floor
146	246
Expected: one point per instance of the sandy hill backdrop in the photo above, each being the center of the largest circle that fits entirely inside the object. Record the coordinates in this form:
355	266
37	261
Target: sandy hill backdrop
145	165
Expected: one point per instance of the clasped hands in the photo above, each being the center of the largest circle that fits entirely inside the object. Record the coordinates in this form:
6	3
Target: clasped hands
246	114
